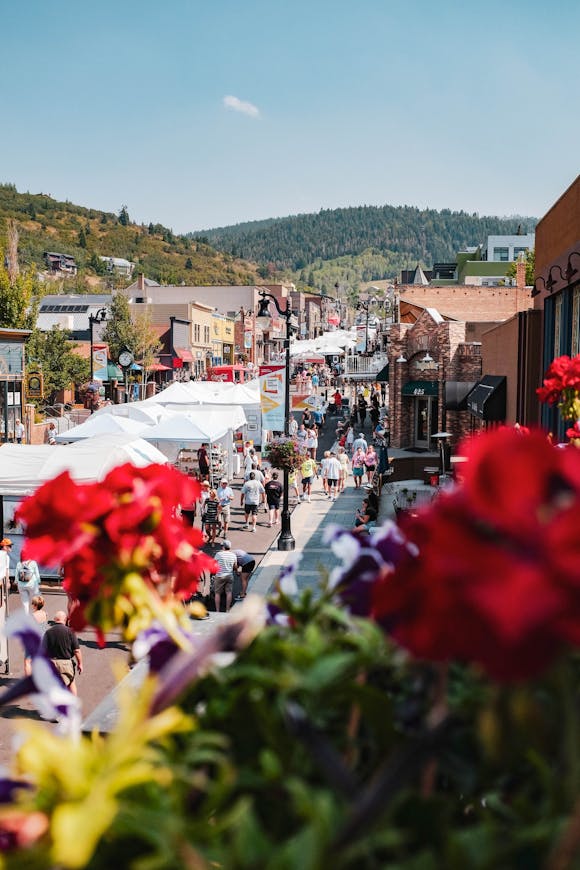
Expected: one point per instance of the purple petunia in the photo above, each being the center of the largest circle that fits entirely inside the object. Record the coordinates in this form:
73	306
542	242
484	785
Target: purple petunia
364	558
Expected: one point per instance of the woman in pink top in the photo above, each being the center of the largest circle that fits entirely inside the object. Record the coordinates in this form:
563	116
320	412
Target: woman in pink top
370	463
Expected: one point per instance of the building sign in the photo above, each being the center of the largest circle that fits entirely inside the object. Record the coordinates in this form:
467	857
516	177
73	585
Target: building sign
34	385
247	340
273	397
99	352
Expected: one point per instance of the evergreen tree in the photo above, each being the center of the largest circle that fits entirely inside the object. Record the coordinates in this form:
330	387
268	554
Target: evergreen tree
189	263
124	219
82	238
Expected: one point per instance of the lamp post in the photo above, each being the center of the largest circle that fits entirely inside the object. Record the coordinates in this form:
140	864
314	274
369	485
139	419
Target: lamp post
285	540
365	306
98	317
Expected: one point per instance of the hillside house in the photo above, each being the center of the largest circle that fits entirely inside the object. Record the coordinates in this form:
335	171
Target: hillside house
60	262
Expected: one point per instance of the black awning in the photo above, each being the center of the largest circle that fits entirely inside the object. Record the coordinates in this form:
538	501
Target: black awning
456	393
383	375
420	388
487	400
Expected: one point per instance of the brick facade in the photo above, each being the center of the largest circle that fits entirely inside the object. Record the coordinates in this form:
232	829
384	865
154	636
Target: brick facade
469	303
454	359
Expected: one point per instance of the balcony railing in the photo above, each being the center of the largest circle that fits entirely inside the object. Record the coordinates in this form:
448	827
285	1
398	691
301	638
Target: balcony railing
364	366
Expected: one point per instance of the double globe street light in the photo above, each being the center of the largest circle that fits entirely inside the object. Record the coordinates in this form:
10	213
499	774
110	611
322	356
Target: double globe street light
264	320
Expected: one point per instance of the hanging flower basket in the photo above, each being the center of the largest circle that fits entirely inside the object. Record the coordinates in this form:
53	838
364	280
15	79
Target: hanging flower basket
284	453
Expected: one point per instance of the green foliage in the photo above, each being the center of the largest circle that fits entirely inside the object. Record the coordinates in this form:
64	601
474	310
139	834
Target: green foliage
124	219
45	224
511	271
284	453
53	353
402	235
136	335
18	299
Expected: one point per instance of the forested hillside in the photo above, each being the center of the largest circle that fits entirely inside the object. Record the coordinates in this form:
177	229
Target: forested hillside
44	224
400	235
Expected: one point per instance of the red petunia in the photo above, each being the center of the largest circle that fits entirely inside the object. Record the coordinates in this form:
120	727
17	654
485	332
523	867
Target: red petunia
497	577
102	533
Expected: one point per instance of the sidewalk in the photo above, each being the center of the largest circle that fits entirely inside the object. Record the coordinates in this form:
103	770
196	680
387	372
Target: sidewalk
309	522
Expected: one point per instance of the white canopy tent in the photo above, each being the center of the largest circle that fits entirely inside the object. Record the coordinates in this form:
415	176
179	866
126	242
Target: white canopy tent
204	423
104	425
146	413
24	467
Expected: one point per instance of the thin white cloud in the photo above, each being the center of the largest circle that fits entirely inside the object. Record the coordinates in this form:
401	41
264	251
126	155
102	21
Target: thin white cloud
237	105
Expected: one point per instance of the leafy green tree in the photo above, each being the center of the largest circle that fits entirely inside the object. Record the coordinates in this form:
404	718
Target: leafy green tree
19	299
53	353
120	332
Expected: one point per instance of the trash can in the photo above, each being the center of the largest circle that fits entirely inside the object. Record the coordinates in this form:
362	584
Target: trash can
434	479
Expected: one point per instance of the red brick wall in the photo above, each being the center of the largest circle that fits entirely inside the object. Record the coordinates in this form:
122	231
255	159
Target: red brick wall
454	360
557	235
468	303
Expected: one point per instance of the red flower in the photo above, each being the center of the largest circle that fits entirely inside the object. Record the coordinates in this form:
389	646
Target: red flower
497	578
103	533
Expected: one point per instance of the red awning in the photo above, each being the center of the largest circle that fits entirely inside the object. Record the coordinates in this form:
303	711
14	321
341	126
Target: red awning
184	354
158	367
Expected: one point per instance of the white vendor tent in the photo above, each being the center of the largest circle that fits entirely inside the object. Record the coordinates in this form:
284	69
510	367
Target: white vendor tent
24	467
204	423
106	424
144	413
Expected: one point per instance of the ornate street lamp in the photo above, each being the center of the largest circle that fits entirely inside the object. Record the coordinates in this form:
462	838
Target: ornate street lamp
264	320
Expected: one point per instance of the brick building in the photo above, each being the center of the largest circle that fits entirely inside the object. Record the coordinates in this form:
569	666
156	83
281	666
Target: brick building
461	358
432	369
557	292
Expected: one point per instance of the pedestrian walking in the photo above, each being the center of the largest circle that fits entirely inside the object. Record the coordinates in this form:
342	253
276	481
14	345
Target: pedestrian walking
19	431
27	579
38	614
252	495
358	466
307	470
359	441
211	511
371	460
273	489
225	496
61	645
333	472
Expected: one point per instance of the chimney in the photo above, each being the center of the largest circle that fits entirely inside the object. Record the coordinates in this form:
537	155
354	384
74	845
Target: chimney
521	271
141	282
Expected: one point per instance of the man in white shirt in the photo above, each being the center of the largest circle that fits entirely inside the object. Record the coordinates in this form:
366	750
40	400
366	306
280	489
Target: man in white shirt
293	427
333	470
224	577
252	495
225	496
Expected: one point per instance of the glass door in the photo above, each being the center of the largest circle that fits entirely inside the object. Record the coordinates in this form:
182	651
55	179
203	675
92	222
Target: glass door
422	422
425	420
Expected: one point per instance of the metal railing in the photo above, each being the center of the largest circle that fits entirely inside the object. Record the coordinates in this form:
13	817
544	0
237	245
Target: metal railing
356	366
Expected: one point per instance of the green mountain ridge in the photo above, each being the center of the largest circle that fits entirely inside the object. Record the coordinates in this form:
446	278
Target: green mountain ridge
45	224
397	236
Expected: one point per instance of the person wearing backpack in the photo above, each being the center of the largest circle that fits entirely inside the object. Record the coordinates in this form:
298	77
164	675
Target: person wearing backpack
27	578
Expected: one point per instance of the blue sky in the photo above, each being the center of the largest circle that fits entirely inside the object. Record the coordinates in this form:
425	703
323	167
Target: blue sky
200	114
